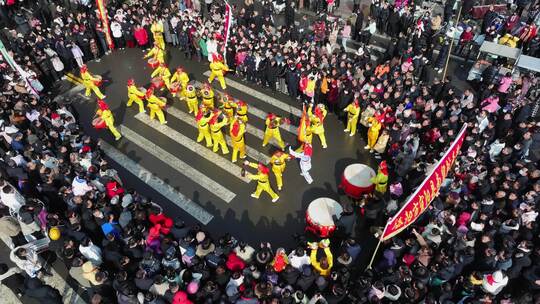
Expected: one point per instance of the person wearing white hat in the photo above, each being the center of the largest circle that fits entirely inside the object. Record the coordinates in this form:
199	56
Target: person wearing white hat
494	283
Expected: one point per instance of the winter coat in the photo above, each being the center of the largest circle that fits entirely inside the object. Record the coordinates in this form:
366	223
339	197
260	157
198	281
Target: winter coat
41	292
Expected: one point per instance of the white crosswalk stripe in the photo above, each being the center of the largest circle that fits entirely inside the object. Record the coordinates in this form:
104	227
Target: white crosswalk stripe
263	97
179	165
193	146
259	113
156	183
190	120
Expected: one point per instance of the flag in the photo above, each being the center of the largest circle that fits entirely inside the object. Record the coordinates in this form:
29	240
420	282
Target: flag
304	124
105	23
419	201
227	28
24	75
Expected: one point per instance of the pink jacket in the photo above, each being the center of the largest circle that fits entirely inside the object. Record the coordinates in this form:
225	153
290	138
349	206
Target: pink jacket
491	104
504	85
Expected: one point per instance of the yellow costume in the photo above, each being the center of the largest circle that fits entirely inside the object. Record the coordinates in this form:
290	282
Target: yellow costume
278	167
241	110
263	181
191	99
156	104
89	82
106	115
217	134
317	122
373	132
326	269
353	111
181	77
237	130
204	130
157	53
207	97
157	32
135	95
228	106
163	72
381	179
272	130
218	68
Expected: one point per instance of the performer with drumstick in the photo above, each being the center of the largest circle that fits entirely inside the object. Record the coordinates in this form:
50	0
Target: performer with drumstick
278	166
353	112
316	120
157	32
181	76
191	99
156	55
305	161
381	179
218	69
375	125
156	104
217	134
237	130
135	95
105	118
207	96
241	110
263	181
91	82
203	117
163	72
272	129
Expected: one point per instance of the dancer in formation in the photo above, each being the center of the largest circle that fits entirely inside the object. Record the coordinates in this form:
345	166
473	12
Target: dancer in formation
278	166
217	135
191	99
203	117
272	129
305	161
353	111
157	32
207	94
157	53
91	82
181	76
218	69
105	118
241	109
228	106
316	120
263	180
163	71
156	105
237	130
135	95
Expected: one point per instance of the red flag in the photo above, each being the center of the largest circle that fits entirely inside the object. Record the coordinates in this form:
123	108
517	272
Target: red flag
105	22
304	124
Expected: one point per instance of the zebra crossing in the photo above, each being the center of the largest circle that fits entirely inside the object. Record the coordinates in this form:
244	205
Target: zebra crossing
177	113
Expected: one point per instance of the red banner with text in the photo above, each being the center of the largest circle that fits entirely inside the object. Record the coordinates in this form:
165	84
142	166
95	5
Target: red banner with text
105	23
419	201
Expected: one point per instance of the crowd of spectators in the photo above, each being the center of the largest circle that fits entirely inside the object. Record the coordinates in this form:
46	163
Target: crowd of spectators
477	243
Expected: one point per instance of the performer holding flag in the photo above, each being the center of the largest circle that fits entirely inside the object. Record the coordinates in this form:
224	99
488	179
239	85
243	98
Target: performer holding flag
305	161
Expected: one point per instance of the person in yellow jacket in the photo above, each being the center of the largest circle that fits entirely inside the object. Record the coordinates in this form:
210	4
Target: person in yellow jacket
381	179
207	95
227	105
263	181
190	95
278	166
217	135
202	118
105	114
353	112
241	110
135	95
163	71
375	125
218	68
316	120
156	105
324	265
157	53
90	82
272	130
157	33
237	129
181	76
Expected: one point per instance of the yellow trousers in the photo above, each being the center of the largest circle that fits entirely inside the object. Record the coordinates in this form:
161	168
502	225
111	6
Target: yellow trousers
220	78
351	125
193	105
219	141
138	101
321	137
159	39
204	133
92	87
110	124
372	138
266	188
273	133
155	110
238	147
208	103
278	172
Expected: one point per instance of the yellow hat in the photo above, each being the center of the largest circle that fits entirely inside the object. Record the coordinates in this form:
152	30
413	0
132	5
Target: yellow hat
54	233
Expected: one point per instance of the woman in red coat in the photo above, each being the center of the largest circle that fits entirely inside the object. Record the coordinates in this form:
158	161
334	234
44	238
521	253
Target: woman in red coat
141	36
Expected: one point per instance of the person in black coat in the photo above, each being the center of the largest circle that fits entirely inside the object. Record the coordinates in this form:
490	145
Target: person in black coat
358	25
292	78
35	289
272	71
12	279
289	14
305	281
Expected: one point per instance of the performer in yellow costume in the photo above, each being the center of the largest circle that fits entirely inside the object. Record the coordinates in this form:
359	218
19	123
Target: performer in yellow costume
157	53
163	71
228	105
218	69
157	32
190	95
237	130
241	110
375	126
217	134
207	96
316	120
90	82
156	104
106	119
278	166
181	76
203	117
135	95
353	112
272	130
381	179
263	181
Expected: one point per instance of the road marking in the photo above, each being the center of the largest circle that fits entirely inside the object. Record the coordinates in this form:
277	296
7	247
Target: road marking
190	120
157	184
260	113
179	165
193	146
263	97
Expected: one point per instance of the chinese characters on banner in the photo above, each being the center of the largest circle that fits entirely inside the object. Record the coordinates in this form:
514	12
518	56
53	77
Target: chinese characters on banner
105	23
426	192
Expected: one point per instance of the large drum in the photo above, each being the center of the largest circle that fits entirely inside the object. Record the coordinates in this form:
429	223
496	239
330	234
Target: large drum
99	123
174	88
157	82
319	216
153	63
355	180
98	80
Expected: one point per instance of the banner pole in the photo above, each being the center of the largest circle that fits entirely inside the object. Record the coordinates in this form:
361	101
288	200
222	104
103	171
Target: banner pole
452	42
378	245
